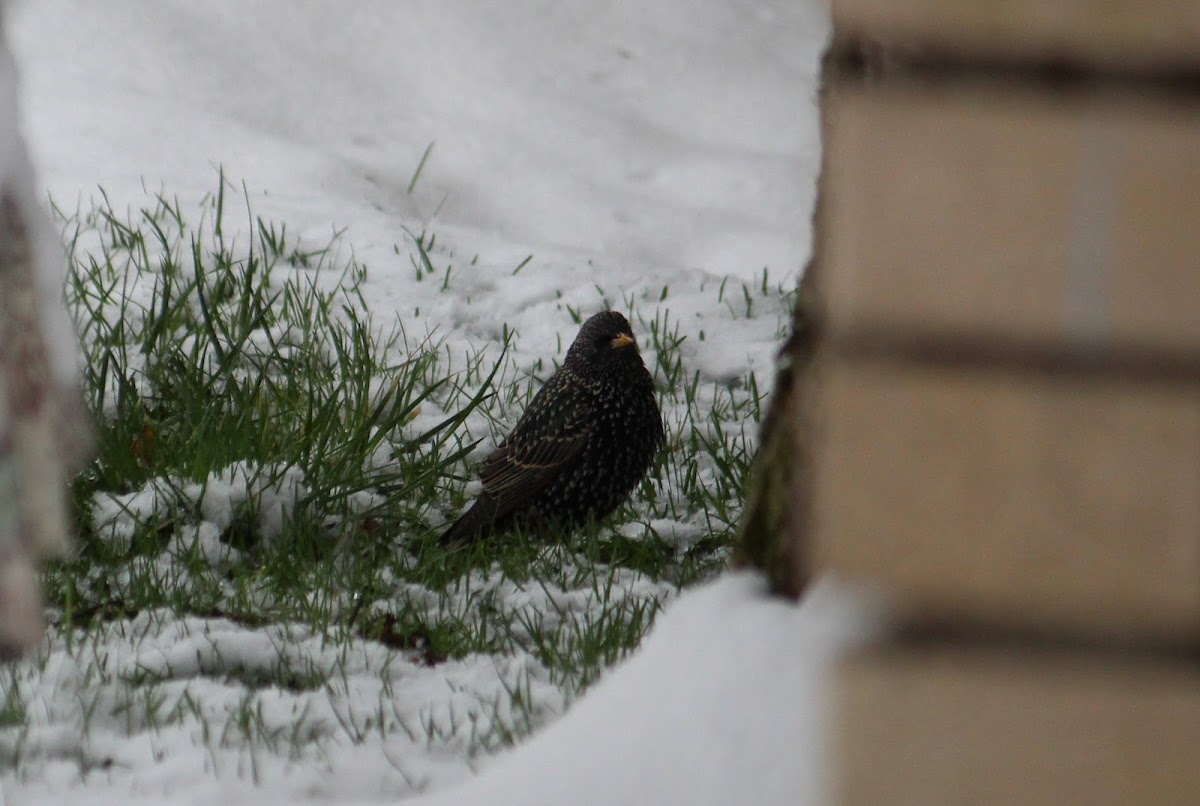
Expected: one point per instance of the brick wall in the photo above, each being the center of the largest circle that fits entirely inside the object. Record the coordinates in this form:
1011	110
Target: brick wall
1005	427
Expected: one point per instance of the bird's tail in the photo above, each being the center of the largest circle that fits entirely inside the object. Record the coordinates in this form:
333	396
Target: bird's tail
473	524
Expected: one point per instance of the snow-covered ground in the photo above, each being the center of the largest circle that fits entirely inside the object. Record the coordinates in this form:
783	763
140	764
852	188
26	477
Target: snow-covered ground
728	701
625	147
673	134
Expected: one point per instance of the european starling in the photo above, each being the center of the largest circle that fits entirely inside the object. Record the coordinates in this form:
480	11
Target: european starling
586	440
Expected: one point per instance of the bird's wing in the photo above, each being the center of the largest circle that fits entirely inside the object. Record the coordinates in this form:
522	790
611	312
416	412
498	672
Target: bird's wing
519	469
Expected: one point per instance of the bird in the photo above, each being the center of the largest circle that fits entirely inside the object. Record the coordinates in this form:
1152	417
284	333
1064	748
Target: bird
587	438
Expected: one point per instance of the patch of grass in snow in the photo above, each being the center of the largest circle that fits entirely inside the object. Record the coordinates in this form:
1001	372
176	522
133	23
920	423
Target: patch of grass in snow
12	711
238	384
271	457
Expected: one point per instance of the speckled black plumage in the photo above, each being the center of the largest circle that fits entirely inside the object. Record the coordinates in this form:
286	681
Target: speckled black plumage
586	440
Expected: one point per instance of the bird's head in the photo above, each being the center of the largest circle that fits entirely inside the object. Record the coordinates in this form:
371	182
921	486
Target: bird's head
604	341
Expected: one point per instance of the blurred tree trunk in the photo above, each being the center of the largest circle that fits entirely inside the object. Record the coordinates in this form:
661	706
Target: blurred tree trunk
774	533
44	427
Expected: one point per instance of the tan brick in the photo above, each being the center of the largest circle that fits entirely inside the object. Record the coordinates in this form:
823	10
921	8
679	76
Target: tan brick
1022	500
928	726
1019	213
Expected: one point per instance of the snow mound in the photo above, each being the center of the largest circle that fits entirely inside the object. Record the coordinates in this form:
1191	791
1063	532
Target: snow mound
726	702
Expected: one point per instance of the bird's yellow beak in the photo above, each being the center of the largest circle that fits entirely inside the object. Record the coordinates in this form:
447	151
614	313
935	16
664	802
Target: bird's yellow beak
622	340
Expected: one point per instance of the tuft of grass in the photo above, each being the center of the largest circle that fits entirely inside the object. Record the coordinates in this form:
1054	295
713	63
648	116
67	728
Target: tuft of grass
416	177
214	363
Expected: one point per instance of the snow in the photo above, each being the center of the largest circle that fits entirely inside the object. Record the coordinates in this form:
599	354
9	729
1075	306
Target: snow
274	489
626	150
315	730
726	702
671	134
